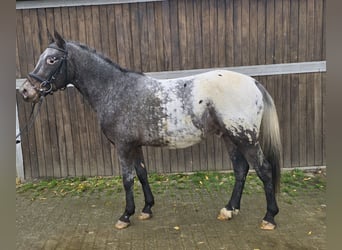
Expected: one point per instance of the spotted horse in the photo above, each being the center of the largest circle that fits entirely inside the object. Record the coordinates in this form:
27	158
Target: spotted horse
136	110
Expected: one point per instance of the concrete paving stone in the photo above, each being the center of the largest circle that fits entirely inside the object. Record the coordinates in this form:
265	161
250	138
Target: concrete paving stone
184	220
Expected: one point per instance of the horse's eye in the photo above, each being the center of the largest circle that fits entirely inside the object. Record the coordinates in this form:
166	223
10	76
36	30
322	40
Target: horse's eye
51	60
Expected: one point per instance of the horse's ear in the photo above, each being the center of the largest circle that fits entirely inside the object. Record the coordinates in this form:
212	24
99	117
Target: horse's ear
50	37
59	40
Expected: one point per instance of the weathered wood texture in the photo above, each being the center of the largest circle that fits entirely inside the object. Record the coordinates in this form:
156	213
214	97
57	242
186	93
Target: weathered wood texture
175	35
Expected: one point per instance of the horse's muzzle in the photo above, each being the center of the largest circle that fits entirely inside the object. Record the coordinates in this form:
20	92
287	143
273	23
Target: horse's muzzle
29	92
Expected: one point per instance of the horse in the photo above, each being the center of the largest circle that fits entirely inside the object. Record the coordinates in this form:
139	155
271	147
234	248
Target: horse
136	110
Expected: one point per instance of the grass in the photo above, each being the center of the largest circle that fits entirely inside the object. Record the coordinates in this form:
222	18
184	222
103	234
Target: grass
292	183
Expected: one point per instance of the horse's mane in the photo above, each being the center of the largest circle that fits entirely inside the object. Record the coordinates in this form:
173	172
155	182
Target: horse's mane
105	58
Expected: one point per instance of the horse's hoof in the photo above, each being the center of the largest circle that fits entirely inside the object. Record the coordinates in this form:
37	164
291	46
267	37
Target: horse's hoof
121	224
225	214
144	216
265	225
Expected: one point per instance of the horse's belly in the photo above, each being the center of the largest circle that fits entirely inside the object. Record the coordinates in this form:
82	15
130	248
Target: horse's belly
181	133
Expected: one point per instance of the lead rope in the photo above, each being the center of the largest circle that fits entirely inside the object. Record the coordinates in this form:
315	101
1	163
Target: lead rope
32	118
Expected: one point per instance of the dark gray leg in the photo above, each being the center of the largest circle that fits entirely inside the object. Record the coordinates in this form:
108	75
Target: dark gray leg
241	167
255	158
132	157
141	171
126	157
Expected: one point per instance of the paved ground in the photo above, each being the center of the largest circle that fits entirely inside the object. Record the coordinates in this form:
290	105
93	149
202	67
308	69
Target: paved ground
183	219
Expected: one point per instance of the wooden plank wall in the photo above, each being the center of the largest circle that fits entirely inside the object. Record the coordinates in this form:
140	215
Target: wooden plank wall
175	35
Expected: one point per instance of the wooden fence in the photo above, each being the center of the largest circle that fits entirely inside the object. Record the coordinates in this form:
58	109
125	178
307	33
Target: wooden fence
168	36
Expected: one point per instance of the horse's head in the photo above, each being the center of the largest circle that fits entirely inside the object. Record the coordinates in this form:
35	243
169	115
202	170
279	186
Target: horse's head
50	72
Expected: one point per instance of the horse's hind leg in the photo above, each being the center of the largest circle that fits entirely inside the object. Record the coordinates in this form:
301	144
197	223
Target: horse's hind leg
241	167
256	159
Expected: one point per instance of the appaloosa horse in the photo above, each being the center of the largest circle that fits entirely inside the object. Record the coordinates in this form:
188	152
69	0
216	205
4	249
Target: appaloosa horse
135	110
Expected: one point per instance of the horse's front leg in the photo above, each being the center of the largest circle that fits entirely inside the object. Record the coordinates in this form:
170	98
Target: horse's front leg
132	158
126	157
141	171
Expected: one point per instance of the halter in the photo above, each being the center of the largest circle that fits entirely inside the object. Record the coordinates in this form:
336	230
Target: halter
46	86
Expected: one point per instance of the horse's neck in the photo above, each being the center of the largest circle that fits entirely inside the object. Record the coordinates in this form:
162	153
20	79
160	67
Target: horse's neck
94	78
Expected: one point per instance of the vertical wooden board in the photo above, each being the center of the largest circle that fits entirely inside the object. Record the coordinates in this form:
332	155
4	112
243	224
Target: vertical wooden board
237	28
302	121
213	33
324	96
127	37
174	35
294	31
302	45
188	159
218	153
66	23
229	33
166	164
286	21
103	25
190	35
158	24
221	33
173	161
261	31
198	59
21	55
278	32
144	42
211	153
74	24
319	35
227	163
324	16
151	37
318	119
135	22
311	30
151	158
245	30
17	60
270	32
81	23
27	28
180	160
112	33
295	110
182	31
203	155
196	163
35	29
285	121
206	34
253	33
310	119
167	36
